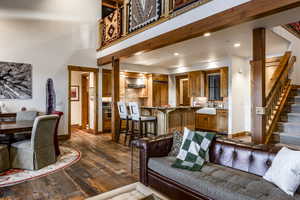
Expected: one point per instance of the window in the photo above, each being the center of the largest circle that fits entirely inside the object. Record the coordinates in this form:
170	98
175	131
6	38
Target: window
214	93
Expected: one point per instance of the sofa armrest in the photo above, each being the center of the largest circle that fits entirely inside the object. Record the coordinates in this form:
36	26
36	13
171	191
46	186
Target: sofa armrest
157	147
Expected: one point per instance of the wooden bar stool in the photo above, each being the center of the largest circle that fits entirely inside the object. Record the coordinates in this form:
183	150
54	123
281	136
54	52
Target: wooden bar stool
123	113
142	121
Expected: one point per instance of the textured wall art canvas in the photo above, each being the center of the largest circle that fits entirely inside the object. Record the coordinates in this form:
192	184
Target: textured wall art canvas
143	12
15	80
111	27
294	28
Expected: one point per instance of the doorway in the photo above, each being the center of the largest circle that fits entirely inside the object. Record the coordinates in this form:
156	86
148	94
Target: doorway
182	85
82	101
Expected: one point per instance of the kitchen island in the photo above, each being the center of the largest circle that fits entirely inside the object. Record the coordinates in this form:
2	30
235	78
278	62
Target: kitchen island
172	118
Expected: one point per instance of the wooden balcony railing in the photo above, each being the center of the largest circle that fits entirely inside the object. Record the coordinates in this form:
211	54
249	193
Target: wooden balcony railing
133	17
277	94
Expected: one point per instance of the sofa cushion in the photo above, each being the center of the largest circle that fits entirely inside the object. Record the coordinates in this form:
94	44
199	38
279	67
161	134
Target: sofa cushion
219	182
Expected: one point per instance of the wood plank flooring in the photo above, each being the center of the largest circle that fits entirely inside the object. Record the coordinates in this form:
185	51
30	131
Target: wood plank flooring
104	166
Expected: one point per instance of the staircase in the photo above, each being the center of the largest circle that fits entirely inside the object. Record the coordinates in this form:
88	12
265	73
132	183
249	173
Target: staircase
288	128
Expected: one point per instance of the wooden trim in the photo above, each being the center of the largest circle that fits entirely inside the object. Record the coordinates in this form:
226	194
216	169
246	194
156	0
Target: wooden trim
82	69
239	134
258	84
96	85
115	98
251	10
295	86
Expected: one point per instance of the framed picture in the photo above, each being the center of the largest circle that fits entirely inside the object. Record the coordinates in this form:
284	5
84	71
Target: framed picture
75	93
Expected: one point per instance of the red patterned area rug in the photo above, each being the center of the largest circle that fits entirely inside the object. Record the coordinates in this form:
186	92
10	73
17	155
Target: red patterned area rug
67	158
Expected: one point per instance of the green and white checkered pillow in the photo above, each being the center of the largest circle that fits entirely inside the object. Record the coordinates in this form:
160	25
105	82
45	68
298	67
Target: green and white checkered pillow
192	153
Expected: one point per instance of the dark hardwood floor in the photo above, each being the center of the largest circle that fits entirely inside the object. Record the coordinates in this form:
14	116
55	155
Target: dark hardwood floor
104	166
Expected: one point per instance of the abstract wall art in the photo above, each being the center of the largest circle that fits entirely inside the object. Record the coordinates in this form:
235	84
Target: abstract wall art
15	80
143	12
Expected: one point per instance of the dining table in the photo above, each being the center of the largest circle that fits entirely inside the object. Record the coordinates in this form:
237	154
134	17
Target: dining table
12	127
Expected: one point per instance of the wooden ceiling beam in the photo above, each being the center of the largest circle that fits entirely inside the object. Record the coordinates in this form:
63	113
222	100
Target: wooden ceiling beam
251	10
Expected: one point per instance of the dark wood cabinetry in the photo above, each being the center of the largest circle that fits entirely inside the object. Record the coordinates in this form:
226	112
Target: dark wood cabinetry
106	83
217	123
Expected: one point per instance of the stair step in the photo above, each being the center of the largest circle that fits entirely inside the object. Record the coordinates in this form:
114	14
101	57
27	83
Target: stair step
290	139
289	127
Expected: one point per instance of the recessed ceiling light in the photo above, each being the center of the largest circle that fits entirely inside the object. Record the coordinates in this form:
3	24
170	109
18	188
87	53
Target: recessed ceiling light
206	34
138	53
237	45
176	54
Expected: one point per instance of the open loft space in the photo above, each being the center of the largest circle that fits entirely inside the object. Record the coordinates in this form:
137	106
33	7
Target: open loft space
148	99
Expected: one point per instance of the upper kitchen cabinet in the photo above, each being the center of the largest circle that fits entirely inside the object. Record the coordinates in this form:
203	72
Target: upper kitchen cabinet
224	81
160	90
196	84
106	83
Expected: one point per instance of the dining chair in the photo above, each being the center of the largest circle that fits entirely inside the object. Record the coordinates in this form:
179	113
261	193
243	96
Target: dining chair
39	151
124	116
24	116
141	120
4	158
56	144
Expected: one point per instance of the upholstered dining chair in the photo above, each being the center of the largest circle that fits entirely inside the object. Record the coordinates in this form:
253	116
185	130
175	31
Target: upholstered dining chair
39	151
24	116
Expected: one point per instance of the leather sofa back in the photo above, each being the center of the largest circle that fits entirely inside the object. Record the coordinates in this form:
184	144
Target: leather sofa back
252	159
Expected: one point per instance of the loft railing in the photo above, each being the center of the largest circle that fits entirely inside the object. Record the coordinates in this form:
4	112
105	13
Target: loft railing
277	94
130	19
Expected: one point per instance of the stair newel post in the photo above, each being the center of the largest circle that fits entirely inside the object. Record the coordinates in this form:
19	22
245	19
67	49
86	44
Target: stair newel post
258	85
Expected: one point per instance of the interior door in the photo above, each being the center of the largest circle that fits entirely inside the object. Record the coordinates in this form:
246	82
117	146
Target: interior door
85	101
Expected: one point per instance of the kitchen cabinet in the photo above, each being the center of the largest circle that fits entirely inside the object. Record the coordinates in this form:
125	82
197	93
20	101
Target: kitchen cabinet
106	83
224	82
196	84
160	93
217	123
222	121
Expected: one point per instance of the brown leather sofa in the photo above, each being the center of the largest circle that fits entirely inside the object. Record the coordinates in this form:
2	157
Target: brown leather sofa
235	172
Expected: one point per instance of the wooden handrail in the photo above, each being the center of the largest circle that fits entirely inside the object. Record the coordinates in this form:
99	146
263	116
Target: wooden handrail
279	94
278	73
272	126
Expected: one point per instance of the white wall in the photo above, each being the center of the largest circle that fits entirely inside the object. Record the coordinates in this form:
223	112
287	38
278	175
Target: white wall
295	48
239	98
50	46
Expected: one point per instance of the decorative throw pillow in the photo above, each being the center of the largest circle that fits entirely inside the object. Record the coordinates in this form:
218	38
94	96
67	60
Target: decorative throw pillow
177	141
193	151
285	171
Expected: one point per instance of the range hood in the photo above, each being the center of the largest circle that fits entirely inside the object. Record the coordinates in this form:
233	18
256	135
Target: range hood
135	83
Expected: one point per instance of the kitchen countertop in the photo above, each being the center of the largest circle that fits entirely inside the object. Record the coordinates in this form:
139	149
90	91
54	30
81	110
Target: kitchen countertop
177	107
